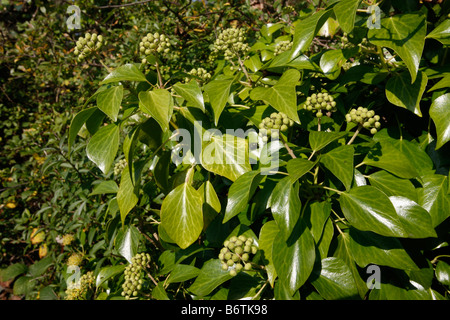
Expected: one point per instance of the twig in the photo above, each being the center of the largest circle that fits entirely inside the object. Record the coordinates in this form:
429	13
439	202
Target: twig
291	153
124	4
355	134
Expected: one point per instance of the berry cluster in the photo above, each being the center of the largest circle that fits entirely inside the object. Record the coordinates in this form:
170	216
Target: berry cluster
154	43
231	42
201	73
270	126
235	255
320	103
134	275
282	46
119	166
78	290
87	45
365	118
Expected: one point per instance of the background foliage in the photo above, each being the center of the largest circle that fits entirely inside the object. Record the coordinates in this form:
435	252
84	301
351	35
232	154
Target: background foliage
342	201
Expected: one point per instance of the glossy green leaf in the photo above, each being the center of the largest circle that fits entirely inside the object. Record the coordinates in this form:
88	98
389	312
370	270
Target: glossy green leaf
443	273
103	147
416	220
226	155
218	92
159	292
267	235
12	271
370	248
392	185
127	195
285	205
127	72
182	272
331	61
298	167
109	101
294	259
440	113
442	84
405	34
282	96
150	133
211	203
305	31
107	273
127	242
345	12
182	216
441	33
77	123
104	187
406	94
240	193
340	162
159	104
320	139
334	280
191	92
434	198
369	209
386	155
210	277
316	215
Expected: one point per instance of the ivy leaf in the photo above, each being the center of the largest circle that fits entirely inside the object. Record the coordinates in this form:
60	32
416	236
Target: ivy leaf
282	96
218	92
443	83
241	192
211	203
440	113
370	248
226	155
320	139
405	34
392	185
298	167
334	280
443	273
159	104
128	193
210	277
345	12
285	205
107	273
267	236
103	146
294	259
77	123
416	220
127	242
340	162
386	155
109	101
108	186
406	94
191	92
441	33
305	31
433	197
183	272
127	72
331	61
182	216
369	209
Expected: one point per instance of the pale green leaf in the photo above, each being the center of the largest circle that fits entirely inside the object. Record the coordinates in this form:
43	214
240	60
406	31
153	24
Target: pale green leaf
127	72
191	92
267	235
345	12
218	92
109	101
441	32
182	216
159	104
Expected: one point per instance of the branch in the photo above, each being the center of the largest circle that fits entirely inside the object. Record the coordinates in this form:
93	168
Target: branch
124	4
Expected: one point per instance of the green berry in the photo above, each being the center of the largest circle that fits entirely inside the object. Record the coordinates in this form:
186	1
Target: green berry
373	131
248	266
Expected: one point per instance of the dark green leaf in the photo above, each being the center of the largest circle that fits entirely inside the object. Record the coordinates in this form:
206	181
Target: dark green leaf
77	122
240	193
340	162
182	272
127	242
109	101
191	92
107	273
434	198
392	185
443	273
345	12
210	277
285	206
335	280
369	248
267	235
441	32
298	167
405	34
440	113
320	139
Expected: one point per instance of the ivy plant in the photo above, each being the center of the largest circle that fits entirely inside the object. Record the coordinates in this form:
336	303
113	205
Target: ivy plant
349	200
